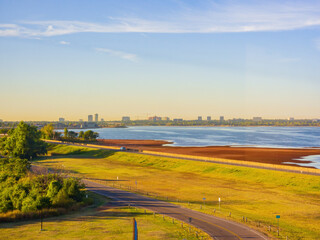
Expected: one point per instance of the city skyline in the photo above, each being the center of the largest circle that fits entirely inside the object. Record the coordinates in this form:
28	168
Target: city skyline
181	59
166	118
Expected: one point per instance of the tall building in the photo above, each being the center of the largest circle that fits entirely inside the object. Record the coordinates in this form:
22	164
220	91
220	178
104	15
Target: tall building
155	118
199	118
208	118
96	117
80	120
257	119
61	119
221	118
102	119
90	118
125	119
165	119
291	119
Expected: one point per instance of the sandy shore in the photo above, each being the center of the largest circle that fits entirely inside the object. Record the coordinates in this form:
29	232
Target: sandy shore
281	156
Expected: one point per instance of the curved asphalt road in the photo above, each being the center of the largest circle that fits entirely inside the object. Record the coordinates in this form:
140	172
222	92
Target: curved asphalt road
218	228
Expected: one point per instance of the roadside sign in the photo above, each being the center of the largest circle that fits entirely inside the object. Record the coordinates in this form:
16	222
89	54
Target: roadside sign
203	198
190	219
277	216
219	200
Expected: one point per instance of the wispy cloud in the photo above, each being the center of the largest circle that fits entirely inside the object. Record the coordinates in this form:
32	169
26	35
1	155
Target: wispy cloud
216	18
123	55
64	43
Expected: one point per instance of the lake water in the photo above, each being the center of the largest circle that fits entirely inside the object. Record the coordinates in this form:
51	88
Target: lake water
279	137
283	137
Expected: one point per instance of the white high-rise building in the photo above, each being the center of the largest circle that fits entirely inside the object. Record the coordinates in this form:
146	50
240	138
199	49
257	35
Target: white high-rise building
125	119
90	118
96	117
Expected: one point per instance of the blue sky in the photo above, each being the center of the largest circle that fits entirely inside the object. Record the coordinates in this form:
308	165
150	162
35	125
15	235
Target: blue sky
169	58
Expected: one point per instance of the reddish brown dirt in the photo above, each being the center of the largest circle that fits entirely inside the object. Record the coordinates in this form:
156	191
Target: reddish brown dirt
132	143
251	154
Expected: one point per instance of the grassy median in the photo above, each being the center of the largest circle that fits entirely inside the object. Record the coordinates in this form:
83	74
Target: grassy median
98	222
253	194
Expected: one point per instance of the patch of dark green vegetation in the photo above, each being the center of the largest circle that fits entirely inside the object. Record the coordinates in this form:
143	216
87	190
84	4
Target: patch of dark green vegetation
25	195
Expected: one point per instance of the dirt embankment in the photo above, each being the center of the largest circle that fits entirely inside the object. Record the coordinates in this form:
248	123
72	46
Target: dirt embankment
251	154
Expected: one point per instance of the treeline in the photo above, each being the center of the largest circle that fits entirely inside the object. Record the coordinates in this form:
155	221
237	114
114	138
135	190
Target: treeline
22	193
47	132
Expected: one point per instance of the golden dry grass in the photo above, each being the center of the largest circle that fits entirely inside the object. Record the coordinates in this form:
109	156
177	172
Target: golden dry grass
253	193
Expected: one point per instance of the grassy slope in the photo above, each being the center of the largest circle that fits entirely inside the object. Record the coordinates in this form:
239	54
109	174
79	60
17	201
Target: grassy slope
97	223
254	193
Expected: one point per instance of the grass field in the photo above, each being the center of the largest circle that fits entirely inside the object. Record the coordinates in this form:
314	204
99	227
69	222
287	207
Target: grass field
98	222
256	194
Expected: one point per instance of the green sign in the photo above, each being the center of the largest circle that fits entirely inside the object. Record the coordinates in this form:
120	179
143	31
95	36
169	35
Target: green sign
277	216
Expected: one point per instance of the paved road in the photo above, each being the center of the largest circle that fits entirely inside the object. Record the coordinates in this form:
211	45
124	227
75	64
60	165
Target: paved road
218	228
198	160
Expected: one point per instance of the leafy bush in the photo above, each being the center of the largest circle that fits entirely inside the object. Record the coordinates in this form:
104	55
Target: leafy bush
18	191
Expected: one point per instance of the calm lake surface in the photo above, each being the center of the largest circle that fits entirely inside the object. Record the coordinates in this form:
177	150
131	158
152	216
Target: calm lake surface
280	137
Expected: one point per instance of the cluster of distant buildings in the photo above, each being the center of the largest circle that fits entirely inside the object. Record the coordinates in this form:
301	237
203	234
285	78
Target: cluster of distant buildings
200	118
90	118
91	123
94	119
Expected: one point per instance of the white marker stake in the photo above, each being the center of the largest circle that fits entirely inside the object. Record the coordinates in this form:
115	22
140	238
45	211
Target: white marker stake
219	203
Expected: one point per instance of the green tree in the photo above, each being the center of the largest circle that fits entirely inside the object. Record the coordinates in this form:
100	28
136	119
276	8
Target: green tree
90	135
57	135
23	142
47	131
81	134
66	133
53	189
72	134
